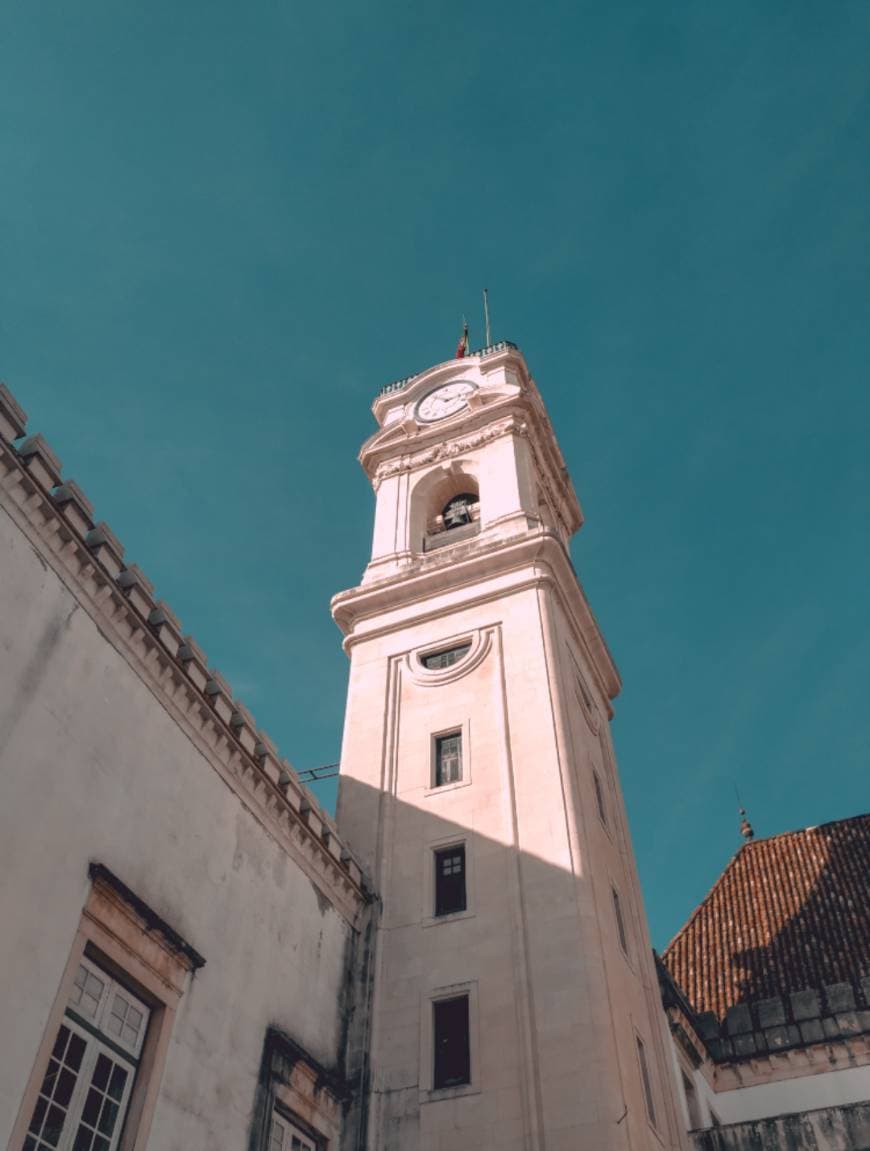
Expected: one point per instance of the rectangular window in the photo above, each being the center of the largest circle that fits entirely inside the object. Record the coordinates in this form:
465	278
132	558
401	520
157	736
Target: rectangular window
448	758
86	1087
620	922
450	880
285	1136
452	1052
599	798
647	1084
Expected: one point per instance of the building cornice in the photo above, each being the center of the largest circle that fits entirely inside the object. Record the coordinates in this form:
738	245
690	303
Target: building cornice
471	573
88	559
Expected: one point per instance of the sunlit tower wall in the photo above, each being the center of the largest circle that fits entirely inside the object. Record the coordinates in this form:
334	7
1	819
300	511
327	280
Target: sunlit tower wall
514	1001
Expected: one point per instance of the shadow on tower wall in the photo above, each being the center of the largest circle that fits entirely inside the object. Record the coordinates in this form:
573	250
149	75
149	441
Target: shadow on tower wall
556	1008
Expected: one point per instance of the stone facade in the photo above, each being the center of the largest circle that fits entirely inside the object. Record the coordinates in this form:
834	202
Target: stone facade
147	827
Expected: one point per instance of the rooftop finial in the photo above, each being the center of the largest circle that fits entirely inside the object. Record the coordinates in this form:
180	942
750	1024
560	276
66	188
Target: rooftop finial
745	826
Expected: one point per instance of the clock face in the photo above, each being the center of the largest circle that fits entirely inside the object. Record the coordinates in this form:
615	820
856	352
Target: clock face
444	401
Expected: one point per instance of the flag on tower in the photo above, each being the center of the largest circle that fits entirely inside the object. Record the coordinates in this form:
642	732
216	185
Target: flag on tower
462	346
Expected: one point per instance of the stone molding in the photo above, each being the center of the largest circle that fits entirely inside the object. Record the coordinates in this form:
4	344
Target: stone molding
479	567
449	449
88	559
111	899
552	472
480	640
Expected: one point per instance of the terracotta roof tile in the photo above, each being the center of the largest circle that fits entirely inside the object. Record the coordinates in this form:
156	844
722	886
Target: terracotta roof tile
788	912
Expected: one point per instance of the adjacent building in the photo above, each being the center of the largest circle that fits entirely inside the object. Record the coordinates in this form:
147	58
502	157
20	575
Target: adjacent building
767	988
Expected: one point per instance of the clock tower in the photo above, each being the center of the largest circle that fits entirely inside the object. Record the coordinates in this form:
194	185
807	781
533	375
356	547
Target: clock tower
514	1001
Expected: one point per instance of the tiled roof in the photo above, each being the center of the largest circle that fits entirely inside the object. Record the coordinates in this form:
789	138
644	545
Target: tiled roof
788	912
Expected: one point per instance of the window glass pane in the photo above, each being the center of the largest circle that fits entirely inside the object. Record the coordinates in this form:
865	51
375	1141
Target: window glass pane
450	896
50	1111
101	1112
440	659
448	758
452	1052
87	991
276	1141
53	1126
83	1140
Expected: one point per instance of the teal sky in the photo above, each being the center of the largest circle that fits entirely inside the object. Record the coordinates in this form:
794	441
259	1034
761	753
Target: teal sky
224	226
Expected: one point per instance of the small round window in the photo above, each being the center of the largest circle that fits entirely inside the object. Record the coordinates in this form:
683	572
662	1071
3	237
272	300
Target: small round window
436	660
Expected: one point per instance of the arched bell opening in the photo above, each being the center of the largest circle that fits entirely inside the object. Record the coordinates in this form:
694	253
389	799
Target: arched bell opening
446	509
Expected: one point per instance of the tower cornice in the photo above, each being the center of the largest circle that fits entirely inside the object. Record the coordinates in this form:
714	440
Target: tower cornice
506	401
470	574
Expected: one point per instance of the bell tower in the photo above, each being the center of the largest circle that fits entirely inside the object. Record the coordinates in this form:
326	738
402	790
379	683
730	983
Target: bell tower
514	999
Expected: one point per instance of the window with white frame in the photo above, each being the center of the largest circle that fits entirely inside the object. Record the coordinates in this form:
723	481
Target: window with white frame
448	758
86	1087
285	1136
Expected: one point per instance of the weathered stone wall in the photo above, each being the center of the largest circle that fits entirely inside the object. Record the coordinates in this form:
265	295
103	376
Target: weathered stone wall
829	1129
116	748
814	1015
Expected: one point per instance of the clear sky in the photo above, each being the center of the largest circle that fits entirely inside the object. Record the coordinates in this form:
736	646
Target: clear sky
225	225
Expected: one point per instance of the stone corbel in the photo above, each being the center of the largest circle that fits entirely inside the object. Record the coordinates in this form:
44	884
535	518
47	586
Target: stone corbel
13	418
74	506
194	662
166	627
138	589
106	549
40	460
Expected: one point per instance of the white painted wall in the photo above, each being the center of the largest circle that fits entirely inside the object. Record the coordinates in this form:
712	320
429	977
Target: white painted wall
766	1100
92	767
809	1092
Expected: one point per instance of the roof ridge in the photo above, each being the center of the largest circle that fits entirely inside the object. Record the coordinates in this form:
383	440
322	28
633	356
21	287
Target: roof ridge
810	827
718	883
747	846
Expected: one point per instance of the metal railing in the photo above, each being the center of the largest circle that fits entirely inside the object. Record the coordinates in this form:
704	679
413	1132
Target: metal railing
490	349
313	774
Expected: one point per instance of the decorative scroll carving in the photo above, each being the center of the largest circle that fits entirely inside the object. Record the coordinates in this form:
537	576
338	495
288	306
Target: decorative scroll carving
448	449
